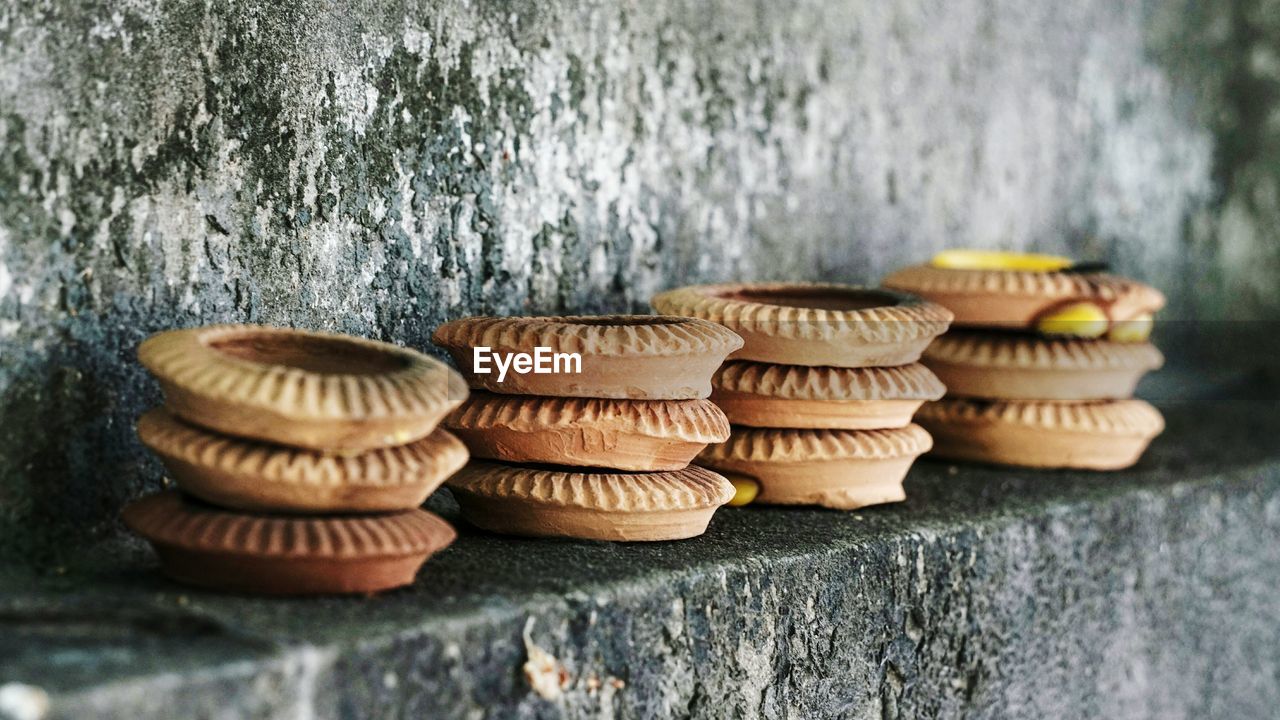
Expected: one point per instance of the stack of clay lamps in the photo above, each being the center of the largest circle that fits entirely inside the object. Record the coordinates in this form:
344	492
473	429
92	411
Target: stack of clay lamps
300	459
822	392
1046	375
601	454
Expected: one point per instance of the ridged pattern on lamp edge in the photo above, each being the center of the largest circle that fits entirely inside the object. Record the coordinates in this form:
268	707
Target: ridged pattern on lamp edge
611	335
698	421
1126	417
794	382
998	350
167	518
927	279
777	445
186	359
910	319
687	489
436	455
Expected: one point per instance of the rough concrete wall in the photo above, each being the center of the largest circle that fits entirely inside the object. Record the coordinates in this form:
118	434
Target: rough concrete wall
378	167
1225	56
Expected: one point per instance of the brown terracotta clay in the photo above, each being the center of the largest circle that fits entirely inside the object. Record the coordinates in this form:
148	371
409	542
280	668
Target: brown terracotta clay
623	356
1093	436
842	469
1006	366
637	435
304	389
814	324
795	396
201	545
1018	299
543	502
255	476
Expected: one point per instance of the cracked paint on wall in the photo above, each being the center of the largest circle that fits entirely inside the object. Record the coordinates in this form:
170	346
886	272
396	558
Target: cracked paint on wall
295	163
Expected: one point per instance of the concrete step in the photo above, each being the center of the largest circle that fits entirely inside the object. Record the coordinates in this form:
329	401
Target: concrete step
989	593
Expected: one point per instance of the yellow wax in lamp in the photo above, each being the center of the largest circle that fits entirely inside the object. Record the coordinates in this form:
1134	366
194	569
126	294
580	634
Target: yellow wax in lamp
999	260
1082	319
744	490
1131	331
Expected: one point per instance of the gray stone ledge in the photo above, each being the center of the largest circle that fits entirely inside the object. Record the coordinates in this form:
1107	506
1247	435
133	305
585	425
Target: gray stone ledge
989	593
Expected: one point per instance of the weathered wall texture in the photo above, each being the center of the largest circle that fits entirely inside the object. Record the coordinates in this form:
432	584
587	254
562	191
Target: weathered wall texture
378	167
